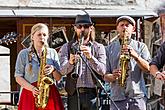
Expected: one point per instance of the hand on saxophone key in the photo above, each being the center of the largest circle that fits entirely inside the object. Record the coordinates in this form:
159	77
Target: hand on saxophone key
132	52
35	91
125	49
49	69
128	49
116	73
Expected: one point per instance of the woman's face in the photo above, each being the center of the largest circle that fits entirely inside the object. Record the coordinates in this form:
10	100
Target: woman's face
40	37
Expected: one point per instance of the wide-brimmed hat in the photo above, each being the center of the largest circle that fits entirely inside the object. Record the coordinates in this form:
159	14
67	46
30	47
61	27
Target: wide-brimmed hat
83	19
128	18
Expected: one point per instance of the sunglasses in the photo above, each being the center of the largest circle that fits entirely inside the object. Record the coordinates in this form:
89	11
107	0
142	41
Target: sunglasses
80	26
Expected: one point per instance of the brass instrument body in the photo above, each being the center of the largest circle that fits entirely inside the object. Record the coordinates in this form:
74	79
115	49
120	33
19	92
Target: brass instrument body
124	60
75	74
43	83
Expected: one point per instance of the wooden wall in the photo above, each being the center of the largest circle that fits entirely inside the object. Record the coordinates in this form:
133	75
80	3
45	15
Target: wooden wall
24	25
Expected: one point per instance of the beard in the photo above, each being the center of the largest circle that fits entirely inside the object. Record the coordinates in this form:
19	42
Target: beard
85	34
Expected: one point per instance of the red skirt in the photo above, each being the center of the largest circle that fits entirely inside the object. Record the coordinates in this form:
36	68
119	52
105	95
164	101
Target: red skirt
27	100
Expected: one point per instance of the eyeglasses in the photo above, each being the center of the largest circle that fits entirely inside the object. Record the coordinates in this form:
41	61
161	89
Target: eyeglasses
80	26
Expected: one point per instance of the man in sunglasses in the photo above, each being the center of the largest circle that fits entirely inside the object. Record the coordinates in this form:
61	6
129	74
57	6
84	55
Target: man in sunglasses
79	58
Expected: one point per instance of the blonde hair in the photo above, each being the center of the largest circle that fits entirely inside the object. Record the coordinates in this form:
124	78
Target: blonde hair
34	29
38	27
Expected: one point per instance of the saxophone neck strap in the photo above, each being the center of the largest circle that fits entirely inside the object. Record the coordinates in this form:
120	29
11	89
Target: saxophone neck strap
35	51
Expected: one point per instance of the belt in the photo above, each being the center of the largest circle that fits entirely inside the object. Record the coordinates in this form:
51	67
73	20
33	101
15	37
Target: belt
86	90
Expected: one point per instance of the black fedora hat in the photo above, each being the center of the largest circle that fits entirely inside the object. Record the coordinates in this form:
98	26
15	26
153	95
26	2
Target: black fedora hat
83	19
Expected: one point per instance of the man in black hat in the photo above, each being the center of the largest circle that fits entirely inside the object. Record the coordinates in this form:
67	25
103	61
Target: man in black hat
127	61
76	57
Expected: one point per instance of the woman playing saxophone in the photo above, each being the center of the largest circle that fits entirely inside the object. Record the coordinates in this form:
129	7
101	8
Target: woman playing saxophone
32	65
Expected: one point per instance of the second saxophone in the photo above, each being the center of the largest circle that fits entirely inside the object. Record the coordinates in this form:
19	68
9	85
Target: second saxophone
124	60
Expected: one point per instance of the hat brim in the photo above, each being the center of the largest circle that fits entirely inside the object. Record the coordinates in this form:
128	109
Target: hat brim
127	18
83	24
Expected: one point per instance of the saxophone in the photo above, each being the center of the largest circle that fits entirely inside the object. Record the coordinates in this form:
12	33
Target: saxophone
43	83
124	60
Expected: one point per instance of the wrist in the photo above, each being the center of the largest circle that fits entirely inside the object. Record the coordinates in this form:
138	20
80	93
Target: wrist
33	87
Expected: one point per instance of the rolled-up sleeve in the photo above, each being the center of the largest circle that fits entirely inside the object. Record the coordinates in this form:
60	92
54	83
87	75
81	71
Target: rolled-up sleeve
66	67
159	58
98	62
20	64
56	61
145	53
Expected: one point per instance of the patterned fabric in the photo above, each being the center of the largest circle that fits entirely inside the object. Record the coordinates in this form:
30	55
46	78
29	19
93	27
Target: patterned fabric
97	62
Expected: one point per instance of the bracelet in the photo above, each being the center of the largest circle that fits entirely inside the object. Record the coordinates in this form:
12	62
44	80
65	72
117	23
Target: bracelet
158	72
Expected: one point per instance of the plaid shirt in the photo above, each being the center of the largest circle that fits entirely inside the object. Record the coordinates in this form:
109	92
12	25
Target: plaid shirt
97	62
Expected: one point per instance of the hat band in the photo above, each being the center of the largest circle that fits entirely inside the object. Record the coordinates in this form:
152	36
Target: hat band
83	22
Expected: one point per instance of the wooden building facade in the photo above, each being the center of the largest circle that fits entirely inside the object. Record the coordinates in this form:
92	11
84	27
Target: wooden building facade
22	26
